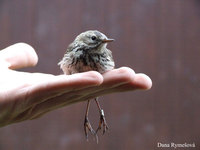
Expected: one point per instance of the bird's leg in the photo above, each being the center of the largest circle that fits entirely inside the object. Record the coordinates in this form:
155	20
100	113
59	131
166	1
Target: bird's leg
87	125
102	121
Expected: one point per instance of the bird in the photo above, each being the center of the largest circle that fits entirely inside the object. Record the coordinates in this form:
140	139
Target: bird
88	52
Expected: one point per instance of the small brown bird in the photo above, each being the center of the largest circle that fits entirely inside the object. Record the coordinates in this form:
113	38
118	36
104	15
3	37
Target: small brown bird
88	52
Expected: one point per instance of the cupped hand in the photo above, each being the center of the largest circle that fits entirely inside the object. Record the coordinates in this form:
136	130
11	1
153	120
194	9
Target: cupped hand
25	96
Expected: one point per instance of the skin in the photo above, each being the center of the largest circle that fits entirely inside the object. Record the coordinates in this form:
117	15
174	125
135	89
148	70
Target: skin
26	96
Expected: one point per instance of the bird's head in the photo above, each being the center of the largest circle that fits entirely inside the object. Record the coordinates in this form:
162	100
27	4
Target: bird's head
93	39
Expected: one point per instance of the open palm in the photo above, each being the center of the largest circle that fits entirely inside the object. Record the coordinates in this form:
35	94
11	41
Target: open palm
25	96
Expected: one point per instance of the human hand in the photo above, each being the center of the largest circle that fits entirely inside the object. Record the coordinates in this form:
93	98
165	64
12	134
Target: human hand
25	96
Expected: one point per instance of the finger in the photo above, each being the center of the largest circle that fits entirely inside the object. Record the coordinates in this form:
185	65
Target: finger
120	80
70	98
125	76
112	80
118	76
141	81
19	55
137	82
62	84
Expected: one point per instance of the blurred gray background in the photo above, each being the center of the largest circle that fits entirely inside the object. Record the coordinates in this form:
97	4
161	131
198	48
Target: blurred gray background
158	37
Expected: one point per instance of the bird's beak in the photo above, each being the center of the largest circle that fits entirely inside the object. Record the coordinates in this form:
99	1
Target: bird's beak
107	40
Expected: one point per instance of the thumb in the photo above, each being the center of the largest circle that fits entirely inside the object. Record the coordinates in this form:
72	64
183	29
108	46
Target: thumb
19	55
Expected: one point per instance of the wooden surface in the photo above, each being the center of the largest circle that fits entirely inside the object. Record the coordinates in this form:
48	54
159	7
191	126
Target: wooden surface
158	37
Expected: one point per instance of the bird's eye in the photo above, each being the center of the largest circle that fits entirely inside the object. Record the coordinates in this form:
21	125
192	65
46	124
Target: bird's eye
93	38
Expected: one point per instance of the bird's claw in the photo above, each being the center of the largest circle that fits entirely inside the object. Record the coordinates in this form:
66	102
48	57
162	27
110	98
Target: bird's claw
102	123
88	128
